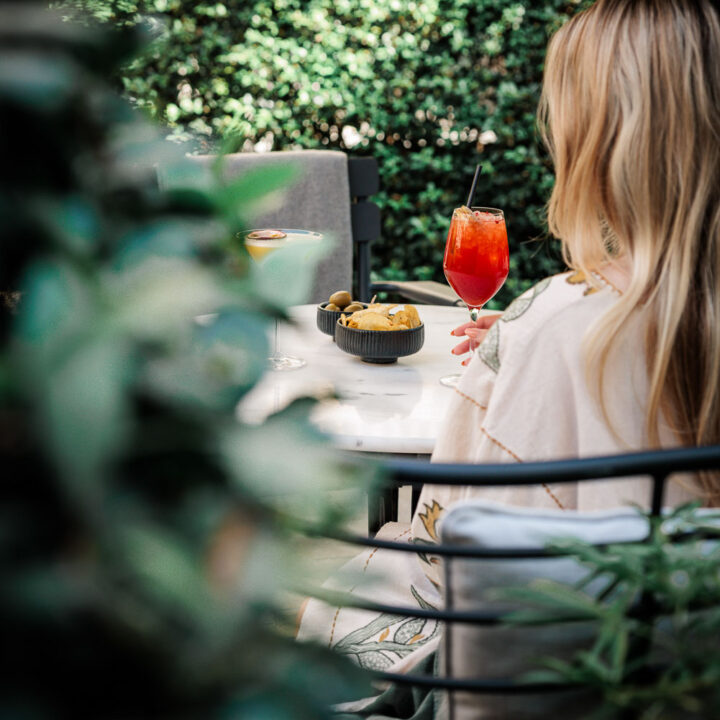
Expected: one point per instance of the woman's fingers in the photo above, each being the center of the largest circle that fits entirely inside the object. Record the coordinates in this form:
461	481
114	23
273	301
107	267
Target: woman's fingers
460	331
474	337
484	322
462	348
475	333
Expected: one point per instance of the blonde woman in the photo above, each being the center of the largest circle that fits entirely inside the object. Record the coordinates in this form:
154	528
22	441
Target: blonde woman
623	351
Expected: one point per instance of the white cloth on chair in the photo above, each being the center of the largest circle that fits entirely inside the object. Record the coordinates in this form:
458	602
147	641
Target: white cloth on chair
376	640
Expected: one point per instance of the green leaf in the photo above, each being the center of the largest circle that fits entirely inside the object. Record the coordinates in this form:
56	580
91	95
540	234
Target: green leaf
285	277
164	568
254	190
560	598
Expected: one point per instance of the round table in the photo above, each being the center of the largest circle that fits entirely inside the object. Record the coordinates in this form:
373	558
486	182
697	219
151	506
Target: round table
394	409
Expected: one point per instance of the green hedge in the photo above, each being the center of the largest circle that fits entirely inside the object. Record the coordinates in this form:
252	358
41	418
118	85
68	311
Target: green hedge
428	87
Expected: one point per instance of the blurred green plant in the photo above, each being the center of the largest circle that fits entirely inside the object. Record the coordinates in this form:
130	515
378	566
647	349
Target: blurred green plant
145	533
430	88
656	606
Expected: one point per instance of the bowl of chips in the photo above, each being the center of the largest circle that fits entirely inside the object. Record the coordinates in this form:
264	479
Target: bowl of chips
381	333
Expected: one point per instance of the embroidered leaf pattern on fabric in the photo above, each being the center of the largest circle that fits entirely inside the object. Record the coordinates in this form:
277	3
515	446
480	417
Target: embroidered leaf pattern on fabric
424	604
429	520
519	306
409	630
423	557
430	517
489	350
580	278
366	632
374	661
371	648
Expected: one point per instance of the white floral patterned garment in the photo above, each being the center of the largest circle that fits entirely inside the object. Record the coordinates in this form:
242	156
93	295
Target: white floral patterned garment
522	397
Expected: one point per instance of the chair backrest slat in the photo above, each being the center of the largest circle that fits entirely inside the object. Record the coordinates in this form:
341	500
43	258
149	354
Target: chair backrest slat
365	217
660	463
364	176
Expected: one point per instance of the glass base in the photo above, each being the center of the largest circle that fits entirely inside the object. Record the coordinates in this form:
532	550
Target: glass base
285	362
450	380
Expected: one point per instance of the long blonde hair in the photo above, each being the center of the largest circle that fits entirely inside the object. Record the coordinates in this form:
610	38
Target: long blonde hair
630	112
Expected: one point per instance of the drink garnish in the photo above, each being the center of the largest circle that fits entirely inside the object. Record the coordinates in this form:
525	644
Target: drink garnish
266	235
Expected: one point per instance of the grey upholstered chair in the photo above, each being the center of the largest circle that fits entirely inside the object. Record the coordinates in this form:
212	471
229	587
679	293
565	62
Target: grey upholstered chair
333	195
319	199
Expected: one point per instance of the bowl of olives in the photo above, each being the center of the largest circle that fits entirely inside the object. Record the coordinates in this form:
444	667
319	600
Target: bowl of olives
328	313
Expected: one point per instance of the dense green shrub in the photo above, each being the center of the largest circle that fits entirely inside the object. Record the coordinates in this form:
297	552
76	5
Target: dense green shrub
428	87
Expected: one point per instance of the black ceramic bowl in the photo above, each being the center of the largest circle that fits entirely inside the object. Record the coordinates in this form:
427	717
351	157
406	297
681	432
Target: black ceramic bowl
327	319
379	346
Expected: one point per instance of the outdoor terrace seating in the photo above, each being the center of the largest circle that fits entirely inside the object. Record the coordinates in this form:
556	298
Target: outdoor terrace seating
483	663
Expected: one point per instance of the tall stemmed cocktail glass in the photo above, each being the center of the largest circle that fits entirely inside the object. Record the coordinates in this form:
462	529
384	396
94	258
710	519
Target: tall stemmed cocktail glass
260	244
477	259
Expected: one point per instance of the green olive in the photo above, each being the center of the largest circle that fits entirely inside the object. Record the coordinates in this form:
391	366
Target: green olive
353	306
341	298
332	306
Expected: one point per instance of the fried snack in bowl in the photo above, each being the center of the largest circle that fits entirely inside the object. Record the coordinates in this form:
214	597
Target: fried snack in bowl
372	309
406	318
378	336
377	316
371	321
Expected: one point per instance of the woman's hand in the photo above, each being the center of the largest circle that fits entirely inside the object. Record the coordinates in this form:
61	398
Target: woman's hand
475	333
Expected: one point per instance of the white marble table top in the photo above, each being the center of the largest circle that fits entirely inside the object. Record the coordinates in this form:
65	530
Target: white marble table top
395	408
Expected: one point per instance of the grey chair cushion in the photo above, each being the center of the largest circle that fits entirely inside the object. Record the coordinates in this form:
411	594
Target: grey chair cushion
506	652
318	200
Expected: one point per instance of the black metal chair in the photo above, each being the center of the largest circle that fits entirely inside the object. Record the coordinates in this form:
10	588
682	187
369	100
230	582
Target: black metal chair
364	179
657	465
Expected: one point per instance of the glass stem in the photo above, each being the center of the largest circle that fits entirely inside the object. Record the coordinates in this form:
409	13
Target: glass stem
474	314
275	341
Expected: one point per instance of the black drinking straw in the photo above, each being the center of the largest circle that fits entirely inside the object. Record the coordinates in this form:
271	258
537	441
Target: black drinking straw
471	196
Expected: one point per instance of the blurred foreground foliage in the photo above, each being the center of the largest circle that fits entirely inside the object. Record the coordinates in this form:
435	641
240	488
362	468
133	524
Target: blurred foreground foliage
144	531
429	87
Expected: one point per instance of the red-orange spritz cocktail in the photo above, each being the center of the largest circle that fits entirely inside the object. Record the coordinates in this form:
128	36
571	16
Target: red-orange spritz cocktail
476	261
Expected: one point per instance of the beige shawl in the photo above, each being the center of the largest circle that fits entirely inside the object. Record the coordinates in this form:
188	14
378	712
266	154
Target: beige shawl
524	396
